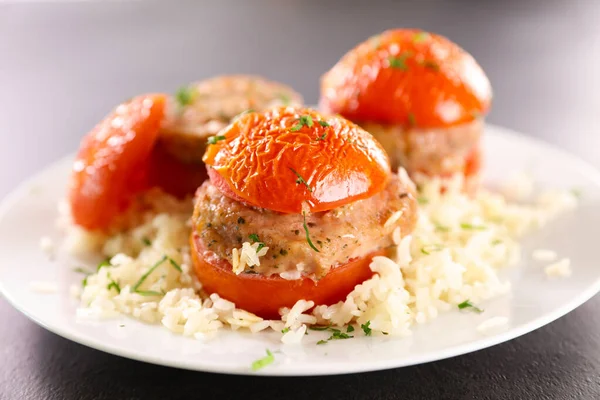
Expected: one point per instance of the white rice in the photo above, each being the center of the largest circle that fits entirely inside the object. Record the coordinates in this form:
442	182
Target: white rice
560	269
460	244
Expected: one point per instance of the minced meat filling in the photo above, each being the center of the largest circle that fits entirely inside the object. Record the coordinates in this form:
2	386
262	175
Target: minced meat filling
342	234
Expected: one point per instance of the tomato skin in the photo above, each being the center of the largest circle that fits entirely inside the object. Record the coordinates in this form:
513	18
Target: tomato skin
111	165
323	164
264	296
173	176
407	77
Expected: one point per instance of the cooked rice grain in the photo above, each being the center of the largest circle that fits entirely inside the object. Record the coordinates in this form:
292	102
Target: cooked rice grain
455	253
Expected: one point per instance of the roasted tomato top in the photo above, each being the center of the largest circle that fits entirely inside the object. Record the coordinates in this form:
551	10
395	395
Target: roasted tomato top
285	157
407	77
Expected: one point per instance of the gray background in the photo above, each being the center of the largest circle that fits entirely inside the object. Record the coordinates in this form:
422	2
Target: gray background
63	66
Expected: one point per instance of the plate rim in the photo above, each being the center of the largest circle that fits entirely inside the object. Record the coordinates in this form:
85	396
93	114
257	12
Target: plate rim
195	364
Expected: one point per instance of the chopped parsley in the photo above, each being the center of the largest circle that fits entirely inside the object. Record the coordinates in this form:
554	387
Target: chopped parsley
337	334
113	285
467	305
84	282
304	120
411	119
301	180
175	265
185	96
145	276
322	137
324	124
105	263
399	62
472	227
263	362
350	329
366	328
285	330
310	243
431	248
420	37
432	65
82	271
146	241
322	341
255	239
319	327
215	139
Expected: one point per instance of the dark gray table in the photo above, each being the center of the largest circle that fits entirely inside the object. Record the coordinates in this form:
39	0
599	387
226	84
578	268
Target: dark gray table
64	65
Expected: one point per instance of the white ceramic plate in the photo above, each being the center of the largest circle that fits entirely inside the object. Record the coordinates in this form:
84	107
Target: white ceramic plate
30	212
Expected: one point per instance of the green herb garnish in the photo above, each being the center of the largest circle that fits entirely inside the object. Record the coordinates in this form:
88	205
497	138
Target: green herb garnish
310	243
84	282
420	37
175	265
432	65
263	362
146	241
467	305
324	123
472	227
322	342
145	276
285	330
350	329
399	62
338	335
215	139
185	96
113	285
496	242
105	263
366	328
431	248
255	239
304	120
319	327
82	271
301	180
322	137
